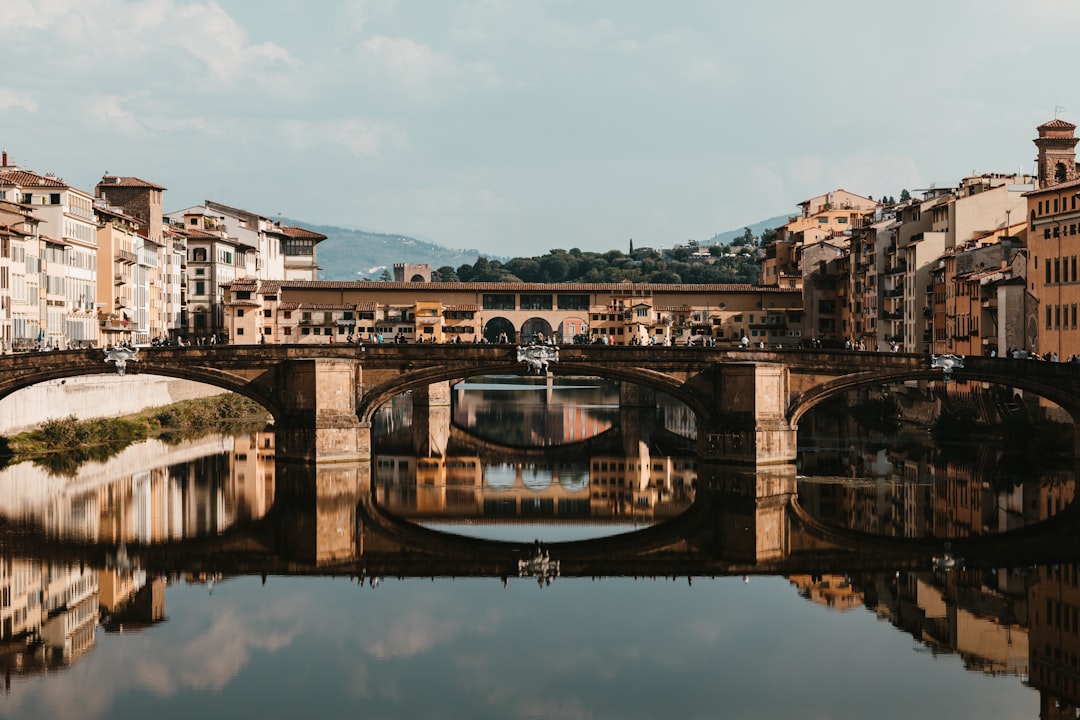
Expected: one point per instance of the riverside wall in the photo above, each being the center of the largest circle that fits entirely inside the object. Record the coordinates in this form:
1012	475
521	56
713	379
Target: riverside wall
94	396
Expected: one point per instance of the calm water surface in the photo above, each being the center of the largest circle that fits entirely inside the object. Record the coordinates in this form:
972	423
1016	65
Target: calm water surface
118	639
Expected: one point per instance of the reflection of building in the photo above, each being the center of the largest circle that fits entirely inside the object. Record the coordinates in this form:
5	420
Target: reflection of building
459	488
252	475
535	413
833	591
1055	642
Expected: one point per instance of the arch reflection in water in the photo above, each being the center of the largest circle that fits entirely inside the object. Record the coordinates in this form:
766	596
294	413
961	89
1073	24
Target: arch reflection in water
936	460
520	501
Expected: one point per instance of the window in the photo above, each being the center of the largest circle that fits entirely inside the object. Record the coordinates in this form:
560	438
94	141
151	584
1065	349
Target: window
239	331
200	287
573	302
535	302
287	331
499	302
240	312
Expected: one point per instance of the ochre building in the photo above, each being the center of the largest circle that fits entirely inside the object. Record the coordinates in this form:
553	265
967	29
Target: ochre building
262	311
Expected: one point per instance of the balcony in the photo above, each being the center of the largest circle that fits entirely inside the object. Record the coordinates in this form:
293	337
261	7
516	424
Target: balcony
900	267
126	256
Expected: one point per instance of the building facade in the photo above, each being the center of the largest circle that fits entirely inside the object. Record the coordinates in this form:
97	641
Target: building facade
610	313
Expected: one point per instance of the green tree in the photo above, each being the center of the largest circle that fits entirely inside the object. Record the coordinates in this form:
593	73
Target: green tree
445	274
385	276
904	195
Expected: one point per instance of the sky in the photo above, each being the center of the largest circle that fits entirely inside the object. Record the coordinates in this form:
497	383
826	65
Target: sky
513	127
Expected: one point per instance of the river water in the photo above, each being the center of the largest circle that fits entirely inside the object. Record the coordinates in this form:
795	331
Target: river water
196	580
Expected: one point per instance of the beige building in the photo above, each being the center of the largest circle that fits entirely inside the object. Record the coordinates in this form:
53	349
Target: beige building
614	313
156	273
54	281
226	244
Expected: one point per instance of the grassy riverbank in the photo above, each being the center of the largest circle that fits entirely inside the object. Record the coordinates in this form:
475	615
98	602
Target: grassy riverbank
63	444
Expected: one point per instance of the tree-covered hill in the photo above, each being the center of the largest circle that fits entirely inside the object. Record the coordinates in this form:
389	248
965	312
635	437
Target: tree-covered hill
683	264
728	257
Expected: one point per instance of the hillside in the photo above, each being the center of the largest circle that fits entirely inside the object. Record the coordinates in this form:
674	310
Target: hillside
757	229
351	254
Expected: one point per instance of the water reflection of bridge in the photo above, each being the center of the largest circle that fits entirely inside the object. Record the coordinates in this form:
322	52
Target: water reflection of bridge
327	521
331	521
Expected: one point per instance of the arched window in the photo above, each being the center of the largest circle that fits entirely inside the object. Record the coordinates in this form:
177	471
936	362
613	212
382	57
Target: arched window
1059	172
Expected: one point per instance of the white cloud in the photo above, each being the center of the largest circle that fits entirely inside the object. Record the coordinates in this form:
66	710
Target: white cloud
10	98
408	64
133	37
359	138
107	112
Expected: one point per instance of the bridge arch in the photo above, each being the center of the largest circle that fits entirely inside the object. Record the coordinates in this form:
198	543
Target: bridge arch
58	365
659	381
823	391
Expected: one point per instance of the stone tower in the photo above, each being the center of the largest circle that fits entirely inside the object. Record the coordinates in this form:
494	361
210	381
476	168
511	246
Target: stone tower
1057	153
138	198
412	272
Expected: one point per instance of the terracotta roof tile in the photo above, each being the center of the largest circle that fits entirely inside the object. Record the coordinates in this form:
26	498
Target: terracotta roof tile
297	232
121	181
1057	124
12	176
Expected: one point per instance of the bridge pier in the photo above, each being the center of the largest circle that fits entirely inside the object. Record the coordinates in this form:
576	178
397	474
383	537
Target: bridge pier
431	419
750	522
749	425
317	505
320	423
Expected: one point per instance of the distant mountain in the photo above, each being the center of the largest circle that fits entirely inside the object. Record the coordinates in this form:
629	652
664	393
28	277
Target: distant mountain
757	228
350	254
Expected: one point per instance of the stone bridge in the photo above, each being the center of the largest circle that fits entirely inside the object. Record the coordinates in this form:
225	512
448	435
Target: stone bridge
747	402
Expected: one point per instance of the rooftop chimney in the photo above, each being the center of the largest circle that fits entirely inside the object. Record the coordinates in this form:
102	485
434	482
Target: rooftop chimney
5	159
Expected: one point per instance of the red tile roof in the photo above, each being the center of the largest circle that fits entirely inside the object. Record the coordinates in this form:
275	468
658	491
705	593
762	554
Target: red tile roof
1057	124
297	232
120	181
14	176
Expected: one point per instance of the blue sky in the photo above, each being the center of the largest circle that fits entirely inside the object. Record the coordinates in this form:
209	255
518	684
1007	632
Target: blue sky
517	126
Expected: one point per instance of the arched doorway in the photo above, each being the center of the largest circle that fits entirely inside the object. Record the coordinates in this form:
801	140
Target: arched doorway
534	325
574	329
497	327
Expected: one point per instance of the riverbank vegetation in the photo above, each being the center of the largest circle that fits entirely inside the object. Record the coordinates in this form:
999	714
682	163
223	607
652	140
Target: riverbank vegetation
62	445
